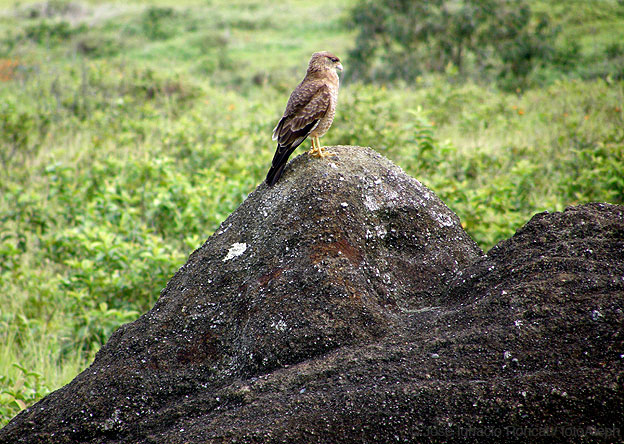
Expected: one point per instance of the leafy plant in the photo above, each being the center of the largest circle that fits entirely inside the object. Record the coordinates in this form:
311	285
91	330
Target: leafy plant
159	23
18	393
52	32
412	37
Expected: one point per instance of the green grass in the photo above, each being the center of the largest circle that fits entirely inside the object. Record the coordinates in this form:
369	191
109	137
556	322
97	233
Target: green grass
130	130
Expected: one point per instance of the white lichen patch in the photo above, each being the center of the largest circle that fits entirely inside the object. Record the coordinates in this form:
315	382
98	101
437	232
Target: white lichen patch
444	220
381	231
279	325
371	203
112	422
224	229
390	195
235	250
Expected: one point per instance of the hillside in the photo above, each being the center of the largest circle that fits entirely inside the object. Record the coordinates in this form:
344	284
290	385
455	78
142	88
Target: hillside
131	130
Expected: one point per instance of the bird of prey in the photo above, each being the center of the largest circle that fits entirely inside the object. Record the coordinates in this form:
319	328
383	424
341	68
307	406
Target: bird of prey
310	112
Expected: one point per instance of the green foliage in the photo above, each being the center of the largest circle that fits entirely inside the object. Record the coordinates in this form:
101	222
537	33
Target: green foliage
517	43
596	169
51	8
126	143
412	37
19	392
46	32
21	130
159	23
96	45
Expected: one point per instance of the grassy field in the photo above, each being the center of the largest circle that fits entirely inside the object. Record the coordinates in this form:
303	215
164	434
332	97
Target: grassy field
130	130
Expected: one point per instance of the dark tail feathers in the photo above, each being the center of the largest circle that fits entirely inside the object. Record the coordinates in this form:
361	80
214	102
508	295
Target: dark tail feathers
290	140
274	174
279	162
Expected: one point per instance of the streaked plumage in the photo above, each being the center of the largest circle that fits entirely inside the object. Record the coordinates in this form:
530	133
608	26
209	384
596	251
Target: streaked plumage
310	112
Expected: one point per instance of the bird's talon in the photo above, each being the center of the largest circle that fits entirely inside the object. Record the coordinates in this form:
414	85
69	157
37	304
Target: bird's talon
323	153
326	154
320	153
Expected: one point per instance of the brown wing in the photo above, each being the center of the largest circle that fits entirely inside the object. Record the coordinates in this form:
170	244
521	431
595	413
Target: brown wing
306	107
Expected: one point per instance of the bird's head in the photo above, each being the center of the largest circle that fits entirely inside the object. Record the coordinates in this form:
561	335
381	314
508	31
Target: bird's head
324	61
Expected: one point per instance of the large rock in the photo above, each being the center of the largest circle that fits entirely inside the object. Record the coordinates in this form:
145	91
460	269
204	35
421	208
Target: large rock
346	304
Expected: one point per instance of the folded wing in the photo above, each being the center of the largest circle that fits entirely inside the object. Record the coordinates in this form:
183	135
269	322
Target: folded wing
306	107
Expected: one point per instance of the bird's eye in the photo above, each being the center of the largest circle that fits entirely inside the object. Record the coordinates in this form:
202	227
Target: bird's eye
334	59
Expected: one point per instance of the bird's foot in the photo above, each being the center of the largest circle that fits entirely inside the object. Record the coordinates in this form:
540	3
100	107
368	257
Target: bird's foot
317	151
314	151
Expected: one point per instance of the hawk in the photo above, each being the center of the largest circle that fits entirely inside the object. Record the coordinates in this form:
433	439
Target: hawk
310	112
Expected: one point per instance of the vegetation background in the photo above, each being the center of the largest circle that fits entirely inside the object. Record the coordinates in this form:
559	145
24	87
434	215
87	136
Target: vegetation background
130	130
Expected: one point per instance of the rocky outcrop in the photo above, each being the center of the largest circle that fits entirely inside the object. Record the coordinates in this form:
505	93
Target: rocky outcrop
346	304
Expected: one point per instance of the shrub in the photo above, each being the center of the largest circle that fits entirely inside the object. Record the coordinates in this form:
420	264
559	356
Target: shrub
47	32
158	23
403	39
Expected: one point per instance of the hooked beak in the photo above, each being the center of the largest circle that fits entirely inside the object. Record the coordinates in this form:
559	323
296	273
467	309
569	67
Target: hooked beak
339	67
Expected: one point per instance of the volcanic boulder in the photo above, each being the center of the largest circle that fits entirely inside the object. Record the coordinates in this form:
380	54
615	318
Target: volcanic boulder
334	255
346	304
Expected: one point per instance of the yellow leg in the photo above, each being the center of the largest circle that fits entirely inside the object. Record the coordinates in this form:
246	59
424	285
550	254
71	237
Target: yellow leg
314	152
317	149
